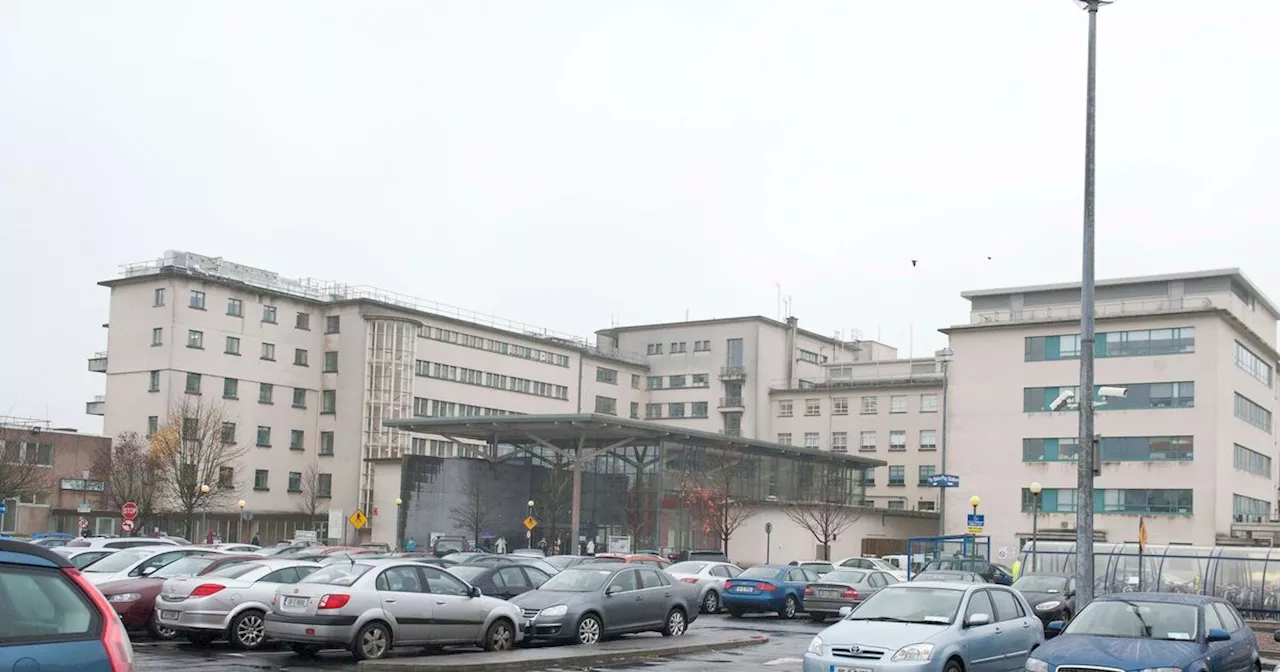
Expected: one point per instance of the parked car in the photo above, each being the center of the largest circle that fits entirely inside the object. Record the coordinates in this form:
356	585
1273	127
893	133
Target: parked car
961	577
445	544
237	548
768	588
369	606
931	627
51	540
704	556
81	557
819	567
229	602
135	598
377	548
843	588
708	578
132	563
503	581
583	604
562	562
532	552
54	619
1165	631
654	561
319	553
991	573
120	542
496	560
1051	596
877	564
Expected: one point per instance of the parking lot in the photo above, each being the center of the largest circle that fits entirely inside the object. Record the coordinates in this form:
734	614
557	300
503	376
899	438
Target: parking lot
787	642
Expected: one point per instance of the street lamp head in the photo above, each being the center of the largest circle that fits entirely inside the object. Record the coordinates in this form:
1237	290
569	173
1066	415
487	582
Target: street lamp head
1035	488
204	489
399	501
242	504
1085	4
975	500
531	503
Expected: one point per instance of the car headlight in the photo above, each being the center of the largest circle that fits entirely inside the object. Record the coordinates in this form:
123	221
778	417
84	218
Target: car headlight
913	652
558	610
124	597
815	646
1036	665
1049	606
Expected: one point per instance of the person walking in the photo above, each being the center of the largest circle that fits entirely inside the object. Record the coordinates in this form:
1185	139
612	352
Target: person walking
412	545
255	540
208	539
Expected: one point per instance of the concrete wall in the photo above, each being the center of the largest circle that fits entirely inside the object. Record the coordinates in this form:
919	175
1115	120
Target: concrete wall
791	542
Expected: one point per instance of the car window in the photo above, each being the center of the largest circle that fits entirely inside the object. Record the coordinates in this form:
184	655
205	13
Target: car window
979	603
440	582
286	575
399	580
889	579
796	575
734	571
652	578
83	559
495	579
627	581
876	581
1229	616
537	577
159	560
1007	608
720	571
42	605
236	570
512	577
1211	619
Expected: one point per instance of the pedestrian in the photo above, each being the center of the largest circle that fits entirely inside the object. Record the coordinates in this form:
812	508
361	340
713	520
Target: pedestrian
208	539
591	547
502	545
413	544
255	540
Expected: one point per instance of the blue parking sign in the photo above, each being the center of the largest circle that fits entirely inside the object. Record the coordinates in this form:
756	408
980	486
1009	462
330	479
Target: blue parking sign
3	508
977	520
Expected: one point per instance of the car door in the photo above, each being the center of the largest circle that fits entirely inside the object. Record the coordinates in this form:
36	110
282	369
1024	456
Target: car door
1017	636
456	616
981	643
403	597
536	576
1219	652
794	580
623	609
513	580
1240	653
658	595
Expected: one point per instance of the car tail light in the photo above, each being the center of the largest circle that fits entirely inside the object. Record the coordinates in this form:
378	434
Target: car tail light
851	593
808	591
767	587
114	638
728	585
335	601
689	580
206	589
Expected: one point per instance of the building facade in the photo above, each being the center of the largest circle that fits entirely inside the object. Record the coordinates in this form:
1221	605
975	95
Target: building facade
1191	446
67	490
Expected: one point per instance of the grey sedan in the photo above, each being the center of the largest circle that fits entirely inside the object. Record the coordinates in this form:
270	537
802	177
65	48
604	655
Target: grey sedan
843	588
708	577
585	603
930	627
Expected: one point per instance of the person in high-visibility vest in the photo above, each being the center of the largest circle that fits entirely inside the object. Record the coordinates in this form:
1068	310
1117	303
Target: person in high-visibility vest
1017	568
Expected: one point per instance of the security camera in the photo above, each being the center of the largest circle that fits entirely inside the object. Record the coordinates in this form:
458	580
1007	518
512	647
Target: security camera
1120	392
1065	398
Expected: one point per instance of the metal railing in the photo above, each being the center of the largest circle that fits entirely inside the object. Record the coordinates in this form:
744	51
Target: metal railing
731	402
733	371
1134	307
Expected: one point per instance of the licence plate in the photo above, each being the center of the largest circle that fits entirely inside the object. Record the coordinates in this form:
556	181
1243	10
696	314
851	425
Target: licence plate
844	668
742	589
169	615
295	601
828	593
528	625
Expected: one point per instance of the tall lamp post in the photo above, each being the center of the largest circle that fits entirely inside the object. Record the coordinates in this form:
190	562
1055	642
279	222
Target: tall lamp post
399	525
974	501
528	535
1035	524
204	510
240	525
1084	466
943	357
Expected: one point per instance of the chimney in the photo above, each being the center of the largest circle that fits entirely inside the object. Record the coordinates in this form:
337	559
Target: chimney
790	367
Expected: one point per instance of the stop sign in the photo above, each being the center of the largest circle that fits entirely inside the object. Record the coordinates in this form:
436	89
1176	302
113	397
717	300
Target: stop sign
129	510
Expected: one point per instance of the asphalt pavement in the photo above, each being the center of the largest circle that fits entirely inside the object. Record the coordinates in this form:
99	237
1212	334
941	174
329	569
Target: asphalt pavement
782	653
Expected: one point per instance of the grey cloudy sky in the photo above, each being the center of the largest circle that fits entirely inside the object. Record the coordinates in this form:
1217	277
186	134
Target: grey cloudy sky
570	163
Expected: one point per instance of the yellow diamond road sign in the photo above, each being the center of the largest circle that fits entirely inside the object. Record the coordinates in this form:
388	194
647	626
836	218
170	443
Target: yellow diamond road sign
530	523
358	519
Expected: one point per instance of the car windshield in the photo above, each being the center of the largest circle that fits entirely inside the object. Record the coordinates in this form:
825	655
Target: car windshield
561	561
449	545
82	560
341	574
941	576
845	576
911	605
467	573
1041	584
599	559
118	561
819	567
958	564
576	580
188	566
687	567
1136	620
759	573
881	564
236	570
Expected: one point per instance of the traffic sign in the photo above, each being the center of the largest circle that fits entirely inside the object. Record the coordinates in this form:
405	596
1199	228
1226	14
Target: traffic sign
944	481
977	522
84	523
127	525
530	523
84	508
358	519
129	511
3	508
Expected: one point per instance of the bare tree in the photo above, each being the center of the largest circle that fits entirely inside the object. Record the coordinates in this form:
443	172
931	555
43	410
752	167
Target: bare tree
314	497
198	457
555	498
476	513
710	497
821	507
21	471
131	473
638	511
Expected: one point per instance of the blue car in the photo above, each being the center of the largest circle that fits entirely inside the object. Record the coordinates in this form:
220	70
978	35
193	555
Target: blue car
768	588
1156	632
53	619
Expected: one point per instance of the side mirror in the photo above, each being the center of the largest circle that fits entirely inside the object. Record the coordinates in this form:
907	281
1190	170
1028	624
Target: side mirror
148	571
612	590
1217	635
845	611
1070	593
476	592
977	620
1056	626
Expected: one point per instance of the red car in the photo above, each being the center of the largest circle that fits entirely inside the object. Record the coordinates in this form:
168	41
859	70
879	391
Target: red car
135	599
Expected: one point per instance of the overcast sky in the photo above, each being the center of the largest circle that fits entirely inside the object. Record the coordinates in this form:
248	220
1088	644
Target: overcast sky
569	164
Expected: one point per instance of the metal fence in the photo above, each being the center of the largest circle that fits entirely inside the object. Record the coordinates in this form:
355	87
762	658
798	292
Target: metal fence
1248	577
922	550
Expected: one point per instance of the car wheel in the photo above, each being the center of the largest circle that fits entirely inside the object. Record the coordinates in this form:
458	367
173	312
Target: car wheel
590	630
711	603
735	613
676	625
500	636
788	609
160	632
247	631
305	650
372	642
953	665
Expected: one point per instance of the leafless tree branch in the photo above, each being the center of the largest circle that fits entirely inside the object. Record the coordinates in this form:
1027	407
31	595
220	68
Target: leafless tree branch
21	474
476	513
822	508
313	498
199	463
131	473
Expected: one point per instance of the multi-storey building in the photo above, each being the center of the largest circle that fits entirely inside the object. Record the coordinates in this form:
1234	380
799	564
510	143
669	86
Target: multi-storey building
1190	448
68	492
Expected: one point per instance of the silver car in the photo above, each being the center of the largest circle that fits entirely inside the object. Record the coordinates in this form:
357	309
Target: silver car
708	577
369	606
930	627
228	603
843	588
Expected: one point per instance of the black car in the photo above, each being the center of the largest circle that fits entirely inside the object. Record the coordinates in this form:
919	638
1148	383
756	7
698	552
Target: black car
502	581
1052	596
991	573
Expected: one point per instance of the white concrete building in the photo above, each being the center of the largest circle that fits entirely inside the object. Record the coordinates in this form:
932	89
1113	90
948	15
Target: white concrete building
1191	448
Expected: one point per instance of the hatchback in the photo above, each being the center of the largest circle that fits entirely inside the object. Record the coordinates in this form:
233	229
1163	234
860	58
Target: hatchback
229	602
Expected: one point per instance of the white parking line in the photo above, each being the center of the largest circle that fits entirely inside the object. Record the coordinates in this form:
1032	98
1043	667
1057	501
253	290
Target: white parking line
784	661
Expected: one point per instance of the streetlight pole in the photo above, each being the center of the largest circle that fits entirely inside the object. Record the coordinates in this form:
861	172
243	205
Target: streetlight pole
974	501
204	510
1084	466
1035	489
399	525
944	357
529	533
240	525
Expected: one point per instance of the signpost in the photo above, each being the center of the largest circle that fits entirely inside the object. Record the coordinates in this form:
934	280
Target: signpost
3	508
127	525
84	508
944	481
1142	546
977	522
768	541
358	519
129	511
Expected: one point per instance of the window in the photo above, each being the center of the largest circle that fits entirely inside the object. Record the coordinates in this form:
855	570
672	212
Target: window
928	439
867	442
195	339
675	410
296	439
652	411
260	479
699	409
869	477
153	425
806	356
784	438
1112	449
897	474
269	352
299	397
1253	365
332	324
324	485
635	410
157	336
157	297
1130	501
926	505
926	470
840	406
329	401
326	443
812	407
331	362
264	436
928	403
635	381
230	388
154	383
811	440
654	349
701	380
233	346
228	432
1252	461
269	314
677	348
299	357
869	405
898	403
235	307
303	321
784	408
654	382
606	405
840	442
1249	510
1141	396
193	383
609	376
197	300
897	440
265	393
226	477
677	381
1253	413
1139	343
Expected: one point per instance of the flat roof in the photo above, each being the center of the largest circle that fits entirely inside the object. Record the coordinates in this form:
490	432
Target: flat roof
606	429
1233	273
729	320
